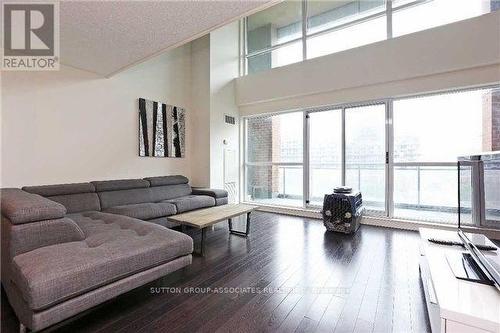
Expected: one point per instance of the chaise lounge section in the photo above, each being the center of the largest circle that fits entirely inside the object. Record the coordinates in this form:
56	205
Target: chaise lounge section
69	247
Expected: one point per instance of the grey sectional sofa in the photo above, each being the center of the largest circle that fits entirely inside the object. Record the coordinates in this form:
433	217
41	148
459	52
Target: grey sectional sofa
66	248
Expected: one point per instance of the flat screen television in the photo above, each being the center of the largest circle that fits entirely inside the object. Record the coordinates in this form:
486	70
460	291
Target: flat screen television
479	206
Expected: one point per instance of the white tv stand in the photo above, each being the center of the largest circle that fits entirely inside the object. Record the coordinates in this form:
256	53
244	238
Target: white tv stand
454	305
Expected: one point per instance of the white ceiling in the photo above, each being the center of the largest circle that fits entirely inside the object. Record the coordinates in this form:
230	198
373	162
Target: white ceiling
106	37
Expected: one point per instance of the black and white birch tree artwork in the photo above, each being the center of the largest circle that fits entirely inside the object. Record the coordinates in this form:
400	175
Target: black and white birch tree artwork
161	129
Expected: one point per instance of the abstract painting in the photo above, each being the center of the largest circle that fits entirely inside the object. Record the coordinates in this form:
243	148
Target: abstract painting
161	129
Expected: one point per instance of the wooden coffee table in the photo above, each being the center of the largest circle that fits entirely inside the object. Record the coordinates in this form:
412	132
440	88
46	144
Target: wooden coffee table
204	218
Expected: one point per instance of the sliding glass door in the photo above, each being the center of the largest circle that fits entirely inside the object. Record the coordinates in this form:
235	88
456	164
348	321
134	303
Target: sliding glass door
400	153
365	153
430	132
325	153
347	146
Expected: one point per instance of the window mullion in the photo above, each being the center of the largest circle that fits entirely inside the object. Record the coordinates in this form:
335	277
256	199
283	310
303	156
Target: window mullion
389	167
243	47
389	18
304	29
343	159
244	147
272	48
305	159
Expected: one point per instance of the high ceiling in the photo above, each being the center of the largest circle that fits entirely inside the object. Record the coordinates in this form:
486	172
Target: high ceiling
106	37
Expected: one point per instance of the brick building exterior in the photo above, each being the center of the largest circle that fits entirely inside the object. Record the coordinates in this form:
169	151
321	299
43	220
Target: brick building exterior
495	122
263	135
491	120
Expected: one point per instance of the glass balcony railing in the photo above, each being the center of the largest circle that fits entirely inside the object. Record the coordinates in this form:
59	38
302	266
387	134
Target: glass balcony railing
421	192
275	184
428	193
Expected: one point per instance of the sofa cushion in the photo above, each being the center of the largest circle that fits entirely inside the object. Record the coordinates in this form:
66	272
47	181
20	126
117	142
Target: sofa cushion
120	184
23	207
160	193
167	180
77	203
60	189
115	247
125	197
78	197
192	202
144	211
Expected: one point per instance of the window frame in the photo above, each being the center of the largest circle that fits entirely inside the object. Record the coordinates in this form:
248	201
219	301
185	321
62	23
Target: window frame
342	108
247	163
305	36
390	165
376	14
387	11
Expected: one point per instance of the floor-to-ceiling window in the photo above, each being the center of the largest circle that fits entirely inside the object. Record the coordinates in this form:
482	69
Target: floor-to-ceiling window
273	159
365	147
293	31
430	132
325	153
400	153
347	146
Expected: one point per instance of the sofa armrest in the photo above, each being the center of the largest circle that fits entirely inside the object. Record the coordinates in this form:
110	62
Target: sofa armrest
22	207
214	193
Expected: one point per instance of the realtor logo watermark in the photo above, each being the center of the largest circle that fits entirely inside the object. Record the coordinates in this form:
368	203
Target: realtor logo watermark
30	36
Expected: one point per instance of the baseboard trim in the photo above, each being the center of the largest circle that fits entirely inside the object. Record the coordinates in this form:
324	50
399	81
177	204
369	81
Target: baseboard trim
314	214
379	221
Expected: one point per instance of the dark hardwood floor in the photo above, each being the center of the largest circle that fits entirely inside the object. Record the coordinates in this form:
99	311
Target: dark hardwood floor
303	280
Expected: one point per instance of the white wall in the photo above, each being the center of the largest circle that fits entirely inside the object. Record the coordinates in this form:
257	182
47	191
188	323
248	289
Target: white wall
461	54
200	97
224	68
71	125
214	66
